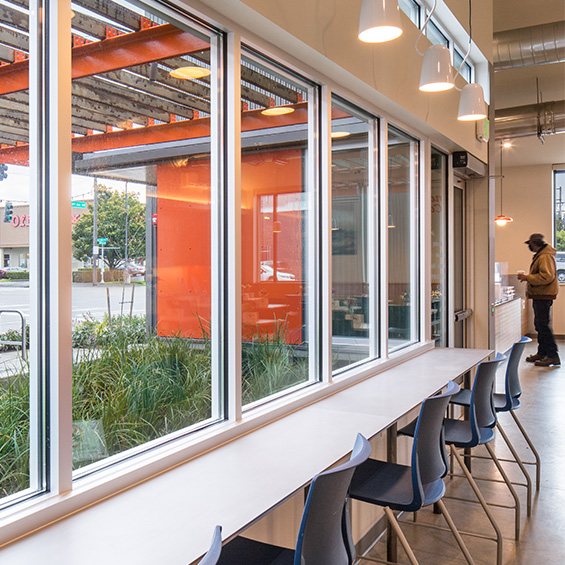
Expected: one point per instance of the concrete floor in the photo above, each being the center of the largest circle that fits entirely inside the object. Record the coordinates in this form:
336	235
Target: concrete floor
542	537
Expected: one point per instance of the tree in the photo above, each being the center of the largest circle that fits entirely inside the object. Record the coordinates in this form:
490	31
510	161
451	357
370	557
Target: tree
111	222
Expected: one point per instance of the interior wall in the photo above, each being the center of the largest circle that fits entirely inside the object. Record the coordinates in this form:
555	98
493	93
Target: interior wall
528	199
322	35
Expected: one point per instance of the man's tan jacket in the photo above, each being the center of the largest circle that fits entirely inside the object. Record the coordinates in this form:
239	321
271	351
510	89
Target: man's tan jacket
542	279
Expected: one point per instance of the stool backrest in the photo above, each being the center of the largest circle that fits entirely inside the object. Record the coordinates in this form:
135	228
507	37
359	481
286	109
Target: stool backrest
482	413
213	554
429	459
323	538
512	380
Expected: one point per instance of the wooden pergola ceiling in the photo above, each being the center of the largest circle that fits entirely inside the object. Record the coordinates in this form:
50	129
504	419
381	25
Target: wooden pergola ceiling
121	63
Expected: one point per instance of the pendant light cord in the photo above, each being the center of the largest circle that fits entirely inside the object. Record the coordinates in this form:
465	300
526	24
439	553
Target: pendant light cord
469	47
423	29
501	177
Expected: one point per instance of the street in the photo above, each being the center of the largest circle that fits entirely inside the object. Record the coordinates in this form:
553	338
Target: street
86	299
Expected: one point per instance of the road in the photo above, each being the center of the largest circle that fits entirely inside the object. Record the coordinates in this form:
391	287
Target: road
86	299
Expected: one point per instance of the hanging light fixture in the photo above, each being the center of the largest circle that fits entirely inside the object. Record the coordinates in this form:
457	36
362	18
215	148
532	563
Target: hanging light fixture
501	220
436	75
379	21
472	106
190	72
277	226
335	226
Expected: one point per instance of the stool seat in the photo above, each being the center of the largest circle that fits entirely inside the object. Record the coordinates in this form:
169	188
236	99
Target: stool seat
243	551
460	434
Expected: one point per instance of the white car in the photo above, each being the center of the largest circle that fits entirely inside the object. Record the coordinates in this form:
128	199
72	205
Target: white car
560	262
268	273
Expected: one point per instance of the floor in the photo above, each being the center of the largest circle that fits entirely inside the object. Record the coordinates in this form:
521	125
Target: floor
542	536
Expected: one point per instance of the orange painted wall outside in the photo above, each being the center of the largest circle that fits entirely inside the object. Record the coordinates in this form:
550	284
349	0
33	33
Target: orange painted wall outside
183	271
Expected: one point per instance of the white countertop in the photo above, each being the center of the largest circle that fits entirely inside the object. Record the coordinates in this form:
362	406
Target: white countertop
169	519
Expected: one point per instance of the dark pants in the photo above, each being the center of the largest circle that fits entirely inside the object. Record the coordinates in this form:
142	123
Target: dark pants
542	322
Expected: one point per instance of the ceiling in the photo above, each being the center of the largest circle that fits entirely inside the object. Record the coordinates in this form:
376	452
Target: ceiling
517	87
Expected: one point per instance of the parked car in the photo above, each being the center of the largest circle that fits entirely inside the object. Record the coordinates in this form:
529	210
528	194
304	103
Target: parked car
560	262
133	269
15	269
268	272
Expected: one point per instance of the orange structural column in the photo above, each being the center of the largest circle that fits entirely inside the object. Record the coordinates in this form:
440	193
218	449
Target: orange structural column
183	272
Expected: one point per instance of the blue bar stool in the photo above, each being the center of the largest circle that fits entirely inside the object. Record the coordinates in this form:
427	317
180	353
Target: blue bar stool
409	488
479	430
324	537
508	402
213	554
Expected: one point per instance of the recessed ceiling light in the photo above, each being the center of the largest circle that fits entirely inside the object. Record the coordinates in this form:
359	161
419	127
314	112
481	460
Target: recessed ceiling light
338	134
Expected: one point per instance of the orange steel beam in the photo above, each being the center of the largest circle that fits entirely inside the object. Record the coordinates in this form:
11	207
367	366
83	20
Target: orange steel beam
174	131
145	46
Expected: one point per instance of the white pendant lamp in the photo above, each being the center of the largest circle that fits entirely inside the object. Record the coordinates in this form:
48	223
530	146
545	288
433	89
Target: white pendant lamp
436	75
472	105
379	21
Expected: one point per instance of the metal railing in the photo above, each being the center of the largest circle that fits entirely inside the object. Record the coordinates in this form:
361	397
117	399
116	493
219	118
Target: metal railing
22	342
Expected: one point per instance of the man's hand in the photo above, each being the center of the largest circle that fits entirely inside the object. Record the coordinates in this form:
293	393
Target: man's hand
522	277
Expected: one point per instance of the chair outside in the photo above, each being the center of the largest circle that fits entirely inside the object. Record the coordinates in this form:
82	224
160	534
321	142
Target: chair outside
409	488
324	535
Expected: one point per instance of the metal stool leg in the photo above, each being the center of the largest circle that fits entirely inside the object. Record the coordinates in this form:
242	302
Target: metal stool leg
531	445
483	503
455	532
510	488
522	468
401	537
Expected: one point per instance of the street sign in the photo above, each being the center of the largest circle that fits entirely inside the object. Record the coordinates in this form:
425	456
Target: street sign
102	240
77	204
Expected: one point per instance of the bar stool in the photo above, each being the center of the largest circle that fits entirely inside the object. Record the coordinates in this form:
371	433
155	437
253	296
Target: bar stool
508	402
409	488
213	554
324	537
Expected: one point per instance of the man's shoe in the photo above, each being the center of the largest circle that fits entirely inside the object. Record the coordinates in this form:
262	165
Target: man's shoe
535	357
547	362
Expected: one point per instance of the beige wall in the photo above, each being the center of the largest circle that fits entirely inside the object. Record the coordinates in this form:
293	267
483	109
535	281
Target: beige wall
386	75
528	198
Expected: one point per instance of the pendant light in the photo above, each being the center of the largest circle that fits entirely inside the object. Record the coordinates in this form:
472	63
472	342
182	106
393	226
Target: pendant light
379	21
437	73
472	106
501	220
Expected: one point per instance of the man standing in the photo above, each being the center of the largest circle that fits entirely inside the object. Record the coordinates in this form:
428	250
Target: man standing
542	289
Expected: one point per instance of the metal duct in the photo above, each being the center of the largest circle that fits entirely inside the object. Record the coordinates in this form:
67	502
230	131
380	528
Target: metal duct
528	46
545	118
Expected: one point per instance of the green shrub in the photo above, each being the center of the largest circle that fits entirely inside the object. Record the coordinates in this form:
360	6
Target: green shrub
17	275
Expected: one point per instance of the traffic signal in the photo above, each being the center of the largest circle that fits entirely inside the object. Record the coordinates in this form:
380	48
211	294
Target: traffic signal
8	212
3	171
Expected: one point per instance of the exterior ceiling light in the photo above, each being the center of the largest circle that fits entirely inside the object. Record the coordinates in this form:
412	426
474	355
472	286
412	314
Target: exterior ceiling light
190	72
379	21
277	111
338	134
436	75
472	105
506	144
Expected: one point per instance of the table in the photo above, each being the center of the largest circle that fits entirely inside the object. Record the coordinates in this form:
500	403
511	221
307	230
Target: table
170	518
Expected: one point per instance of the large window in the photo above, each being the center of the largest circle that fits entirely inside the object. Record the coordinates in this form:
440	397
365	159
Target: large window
145	237
403	256
20	416
278	185
353	174
439	248
559	207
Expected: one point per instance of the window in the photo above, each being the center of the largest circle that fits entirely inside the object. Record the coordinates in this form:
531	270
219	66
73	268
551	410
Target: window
278	180
467	71
403	256
21	418
353	214
411	9
435	35
559	207
146	219
439	248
